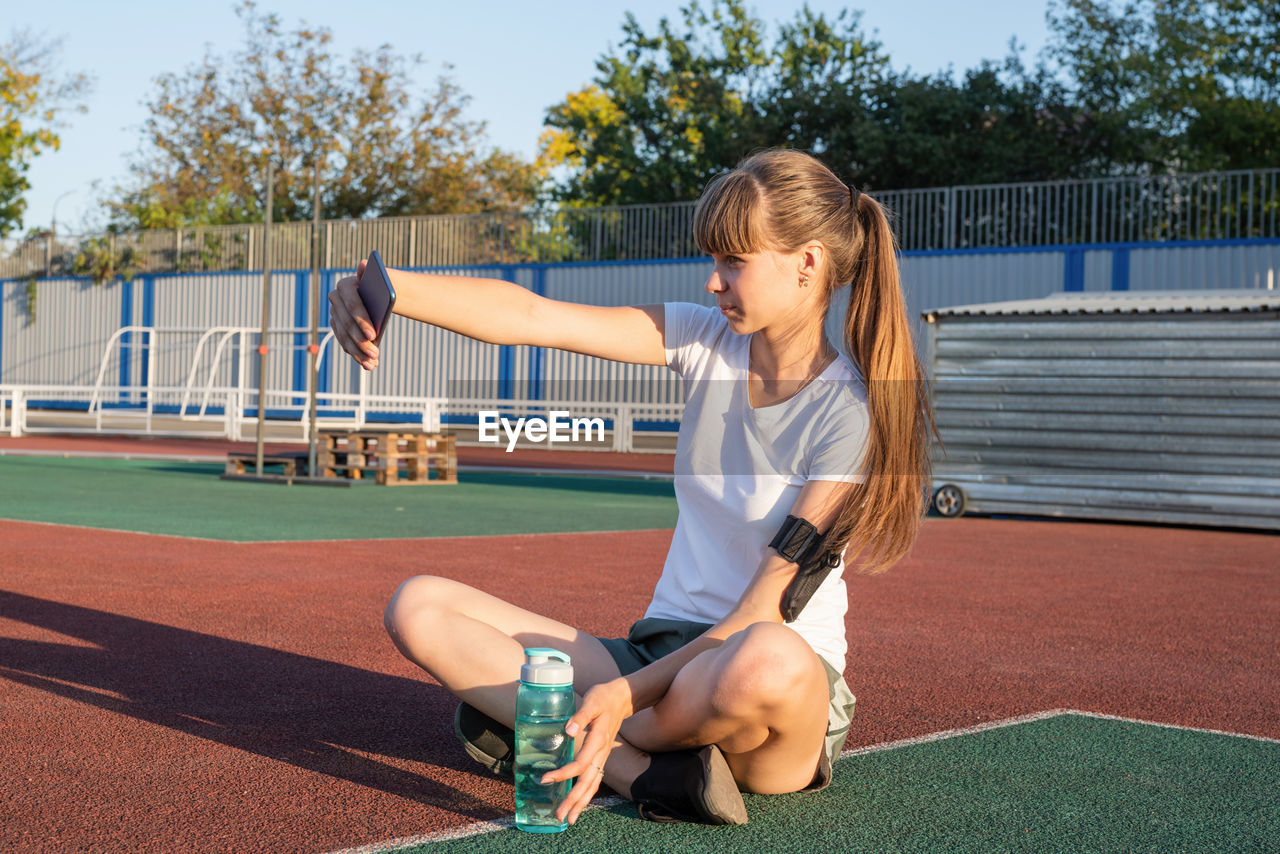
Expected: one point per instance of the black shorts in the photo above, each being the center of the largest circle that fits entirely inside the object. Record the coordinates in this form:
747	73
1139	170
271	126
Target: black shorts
653	637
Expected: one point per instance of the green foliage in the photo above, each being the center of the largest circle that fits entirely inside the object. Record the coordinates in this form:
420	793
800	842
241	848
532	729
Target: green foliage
287	101
1176	84
31	102
667	112
205	251
30	305
996	124
155	206
664	114
101	260
1156	85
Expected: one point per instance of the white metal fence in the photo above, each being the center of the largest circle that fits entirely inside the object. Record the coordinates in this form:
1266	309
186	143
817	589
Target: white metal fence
181	348
203	383
231	413
1209	206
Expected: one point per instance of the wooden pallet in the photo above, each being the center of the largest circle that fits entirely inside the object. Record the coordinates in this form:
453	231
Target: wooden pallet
244	462
395	459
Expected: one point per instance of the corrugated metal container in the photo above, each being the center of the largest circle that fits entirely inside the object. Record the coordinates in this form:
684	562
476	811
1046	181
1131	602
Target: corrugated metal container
1153	407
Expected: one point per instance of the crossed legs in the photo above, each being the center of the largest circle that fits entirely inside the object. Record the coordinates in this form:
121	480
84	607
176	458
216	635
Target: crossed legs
761	696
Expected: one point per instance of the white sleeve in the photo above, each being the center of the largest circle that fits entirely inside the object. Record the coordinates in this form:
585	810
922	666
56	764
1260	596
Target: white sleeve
687	327
839	450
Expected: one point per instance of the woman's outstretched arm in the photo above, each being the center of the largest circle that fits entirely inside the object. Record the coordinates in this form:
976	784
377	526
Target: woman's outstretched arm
501	312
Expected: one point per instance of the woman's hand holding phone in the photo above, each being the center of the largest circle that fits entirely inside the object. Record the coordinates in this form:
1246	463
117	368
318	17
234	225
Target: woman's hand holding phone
349	305
350	322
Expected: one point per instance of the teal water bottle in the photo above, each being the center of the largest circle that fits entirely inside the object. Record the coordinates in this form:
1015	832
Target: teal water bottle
544	704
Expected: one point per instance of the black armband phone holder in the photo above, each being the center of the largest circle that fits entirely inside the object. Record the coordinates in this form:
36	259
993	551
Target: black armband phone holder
799	542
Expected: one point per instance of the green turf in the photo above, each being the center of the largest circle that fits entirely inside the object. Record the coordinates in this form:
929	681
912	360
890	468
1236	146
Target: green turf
1065	784
188	499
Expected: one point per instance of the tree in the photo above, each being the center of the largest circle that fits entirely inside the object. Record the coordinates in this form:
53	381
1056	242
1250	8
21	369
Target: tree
666	113
998	123
32	100
670	111
1181	85
1149	86
287	101
827	76
836	95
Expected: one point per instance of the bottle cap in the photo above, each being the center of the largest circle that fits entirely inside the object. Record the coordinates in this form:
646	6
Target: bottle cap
543	666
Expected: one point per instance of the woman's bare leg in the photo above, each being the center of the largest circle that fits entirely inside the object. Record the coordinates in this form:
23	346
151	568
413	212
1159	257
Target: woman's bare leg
473	644
761	696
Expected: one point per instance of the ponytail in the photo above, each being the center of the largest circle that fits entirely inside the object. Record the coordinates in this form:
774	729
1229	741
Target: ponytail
880	517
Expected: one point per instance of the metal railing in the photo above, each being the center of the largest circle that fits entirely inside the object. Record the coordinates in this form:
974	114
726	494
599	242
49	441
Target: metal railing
218	396
636	232
1209	206
231	413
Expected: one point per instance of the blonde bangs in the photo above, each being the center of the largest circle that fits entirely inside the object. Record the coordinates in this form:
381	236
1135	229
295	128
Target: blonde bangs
730	216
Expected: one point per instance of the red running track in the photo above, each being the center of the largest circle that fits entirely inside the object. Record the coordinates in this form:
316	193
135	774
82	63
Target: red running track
159	694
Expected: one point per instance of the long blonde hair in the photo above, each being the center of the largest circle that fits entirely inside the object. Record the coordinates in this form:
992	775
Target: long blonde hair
781	200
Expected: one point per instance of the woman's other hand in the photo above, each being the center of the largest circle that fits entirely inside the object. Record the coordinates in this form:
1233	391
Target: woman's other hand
601	714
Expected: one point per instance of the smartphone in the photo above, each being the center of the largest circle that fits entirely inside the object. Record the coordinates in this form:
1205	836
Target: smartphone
377	293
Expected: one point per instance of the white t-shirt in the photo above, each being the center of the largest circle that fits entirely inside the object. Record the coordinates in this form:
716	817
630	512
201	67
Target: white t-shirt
739	471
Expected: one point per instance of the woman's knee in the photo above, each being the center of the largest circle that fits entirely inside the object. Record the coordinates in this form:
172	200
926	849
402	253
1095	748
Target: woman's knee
413	603
766	666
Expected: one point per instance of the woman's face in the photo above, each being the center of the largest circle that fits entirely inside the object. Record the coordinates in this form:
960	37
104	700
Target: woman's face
761	290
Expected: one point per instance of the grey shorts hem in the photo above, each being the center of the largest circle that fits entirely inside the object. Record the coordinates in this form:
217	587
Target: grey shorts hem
654	637
650	639
839	717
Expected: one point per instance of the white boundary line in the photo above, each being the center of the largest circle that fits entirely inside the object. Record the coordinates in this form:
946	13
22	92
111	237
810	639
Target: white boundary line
97	455
943	735
1104	717
449	537
476	829
101	529
622	474
340	540
483	827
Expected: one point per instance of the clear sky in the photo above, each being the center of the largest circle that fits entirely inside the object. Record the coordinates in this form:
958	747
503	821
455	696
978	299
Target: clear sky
514	59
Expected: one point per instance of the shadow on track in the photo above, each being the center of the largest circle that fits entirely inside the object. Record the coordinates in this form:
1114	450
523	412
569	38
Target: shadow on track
314	714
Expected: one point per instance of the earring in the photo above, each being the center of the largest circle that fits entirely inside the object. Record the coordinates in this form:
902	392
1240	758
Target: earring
804	281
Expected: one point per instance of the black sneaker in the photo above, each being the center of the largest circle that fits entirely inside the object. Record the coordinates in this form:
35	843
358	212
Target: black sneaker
488	742
689	785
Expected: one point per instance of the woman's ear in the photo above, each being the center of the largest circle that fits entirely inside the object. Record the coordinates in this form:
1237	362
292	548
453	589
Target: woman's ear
812	257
